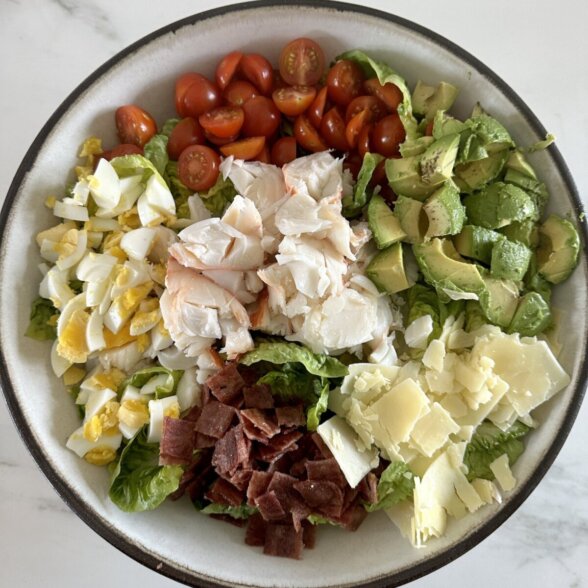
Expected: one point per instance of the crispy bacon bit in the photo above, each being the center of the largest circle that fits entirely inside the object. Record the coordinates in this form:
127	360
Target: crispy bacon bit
283	541
290	416
230	451
177	442
257	486
279	445
325	469
224	493
226	384
215	419
270	507
258	396
255	534
263	423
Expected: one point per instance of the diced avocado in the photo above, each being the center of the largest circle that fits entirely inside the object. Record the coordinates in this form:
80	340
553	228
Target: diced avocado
384	225
499	205
559	246
535	282
486	132
443	125
404	177
474	316
416	147
536	189
386	270
499	300
474	175
532	316
443	268
445	212
476	243
518	162
427	100
412	218
510	260
525	232
438	160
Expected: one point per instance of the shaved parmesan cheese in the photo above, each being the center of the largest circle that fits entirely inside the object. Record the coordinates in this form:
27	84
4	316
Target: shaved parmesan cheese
501	469
432	431
434	355
417	333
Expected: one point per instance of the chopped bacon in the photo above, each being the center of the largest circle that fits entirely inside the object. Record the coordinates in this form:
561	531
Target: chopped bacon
290	416
325	469
177	442
259	425
318	494
241	478
258	396
255	533
224	493
226	384
215	419
308	535
230	451
257	486
270	507
368	488
279	445
283	541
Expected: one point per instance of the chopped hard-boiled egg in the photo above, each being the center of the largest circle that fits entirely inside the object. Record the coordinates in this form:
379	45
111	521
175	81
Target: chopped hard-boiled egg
105	186
189	392
138	243
158	410
156	204
70	209
95	267
99	452
133	412
124	306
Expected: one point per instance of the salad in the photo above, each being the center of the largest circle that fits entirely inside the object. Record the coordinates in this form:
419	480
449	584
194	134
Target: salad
313	295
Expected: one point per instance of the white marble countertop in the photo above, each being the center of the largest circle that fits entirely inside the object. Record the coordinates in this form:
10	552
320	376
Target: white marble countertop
49	46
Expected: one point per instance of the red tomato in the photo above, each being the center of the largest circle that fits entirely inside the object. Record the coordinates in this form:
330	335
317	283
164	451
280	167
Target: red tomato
333	130
182	85
379	176
244	149
375	107
389	94
134	125
187	132
198	167
387	135
200	97
317	108
258	70
353	164
302	62
355	126
238	92
429	128
226	69
388	194
120	150
279	80
307	136
261	117
363	140
284	151
264	156
293	100
223	122
219	141
344	82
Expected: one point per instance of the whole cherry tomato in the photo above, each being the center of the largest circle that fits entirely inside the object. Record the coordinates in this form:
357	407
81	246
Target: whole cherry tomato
238	92
284	151
333	130
258	70
387	135
200	96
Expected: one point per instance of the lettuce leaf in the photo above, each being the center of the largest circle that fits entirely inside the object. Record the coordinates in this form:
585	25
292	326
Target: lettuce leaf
315	519
279	352
353	204
42	324
156	152
141	377
386	75
291	383
179	191
314	413
138	482
218	198
243	511
132	165
489	443
395	485
168	126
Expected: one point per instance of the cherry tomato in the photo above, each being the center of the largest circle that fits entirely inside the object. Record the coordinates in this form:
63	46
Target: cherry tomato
429	128
375	107
284	151
353	163
363	140
134	125
387	135
293	100
198	167
264	156
355	126
302	62
261	117
219	141
187	132
333	130
120	150
226	69
317	108
279	80
307	136
223	122
389	94
379	176
344	82
258	70
238	92
244	149
388	194
200	97
182	85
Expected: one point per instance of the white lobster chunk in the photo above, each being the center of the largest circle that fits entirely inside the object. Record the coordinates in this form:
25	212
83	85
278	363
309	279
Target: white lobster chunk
243	216
319	175
299	214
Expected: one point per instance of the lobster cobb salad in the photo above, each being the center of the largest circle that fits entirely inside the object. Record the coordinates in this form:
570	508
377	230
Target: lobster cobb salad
312	295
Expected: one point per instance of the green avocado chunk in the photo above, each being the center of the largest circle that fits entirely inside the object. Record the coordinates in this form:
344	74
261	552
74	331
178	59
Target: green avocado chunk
525	232
559	246
386	270
518	162
416	147
443	268
474	316
535	282
510	260
427	100
476	243
473	175
445	212
532	316
404	177
536	189
499	205
437	161
384	225
412	218
499	300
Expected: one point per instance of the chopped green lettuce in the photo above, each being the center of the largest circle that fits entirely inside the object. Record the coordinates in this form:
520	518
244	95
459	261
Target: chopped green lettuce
540	145
168	126
42	322
474	316
314	413
138	482
156	152
132	165
291	382
141	377
243	511
218	198
179	191
395	485
353	204
315	519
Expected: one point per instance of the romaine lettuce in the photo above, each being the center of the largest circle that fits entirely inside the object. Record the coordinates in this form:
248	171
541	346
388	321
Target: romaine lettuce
42	320
156	152
353	204
314	412
243	511
141	377
179	191
395	485
218	198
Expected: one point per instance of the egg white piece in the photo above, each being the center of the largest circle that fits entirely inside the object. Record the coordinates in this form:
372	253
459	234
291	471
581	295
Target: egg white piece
137	243
105	185
76	255
97	400
81	191
189	392
157	409
69	209
174	359
131	188
80	445
55	286
95	332
95	267
76	303
59	365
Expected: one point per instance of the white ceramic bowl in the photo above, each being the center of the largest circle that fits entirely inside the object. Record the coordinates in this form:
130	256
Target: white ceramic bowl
175	540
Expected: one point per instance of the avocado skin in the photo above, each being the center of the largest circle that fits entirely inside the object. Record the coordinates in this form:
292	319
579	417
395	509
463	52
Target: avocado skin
532	316
476	243
386	270
558	251
383	224
510	260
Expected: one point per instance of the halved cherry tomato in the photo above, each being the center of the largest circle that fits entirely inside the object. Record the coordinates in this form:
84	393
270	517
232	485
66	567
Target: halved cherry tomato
284	151
355	126
187	132
198	167
333	130
264	156
261	117
219	141
307	136
363	140
134	125
293	100
120	150
200	97
223	122
387	135
344	82
302	62
244	149
238	92
389	94
258	70
279	80
226	68
182	85
429	128
317	108
375	107
379	176
353	163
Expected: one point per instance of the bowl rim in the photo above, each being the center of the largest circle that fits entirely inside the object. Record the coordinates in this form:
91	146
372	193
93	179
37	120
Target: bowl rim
100	525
